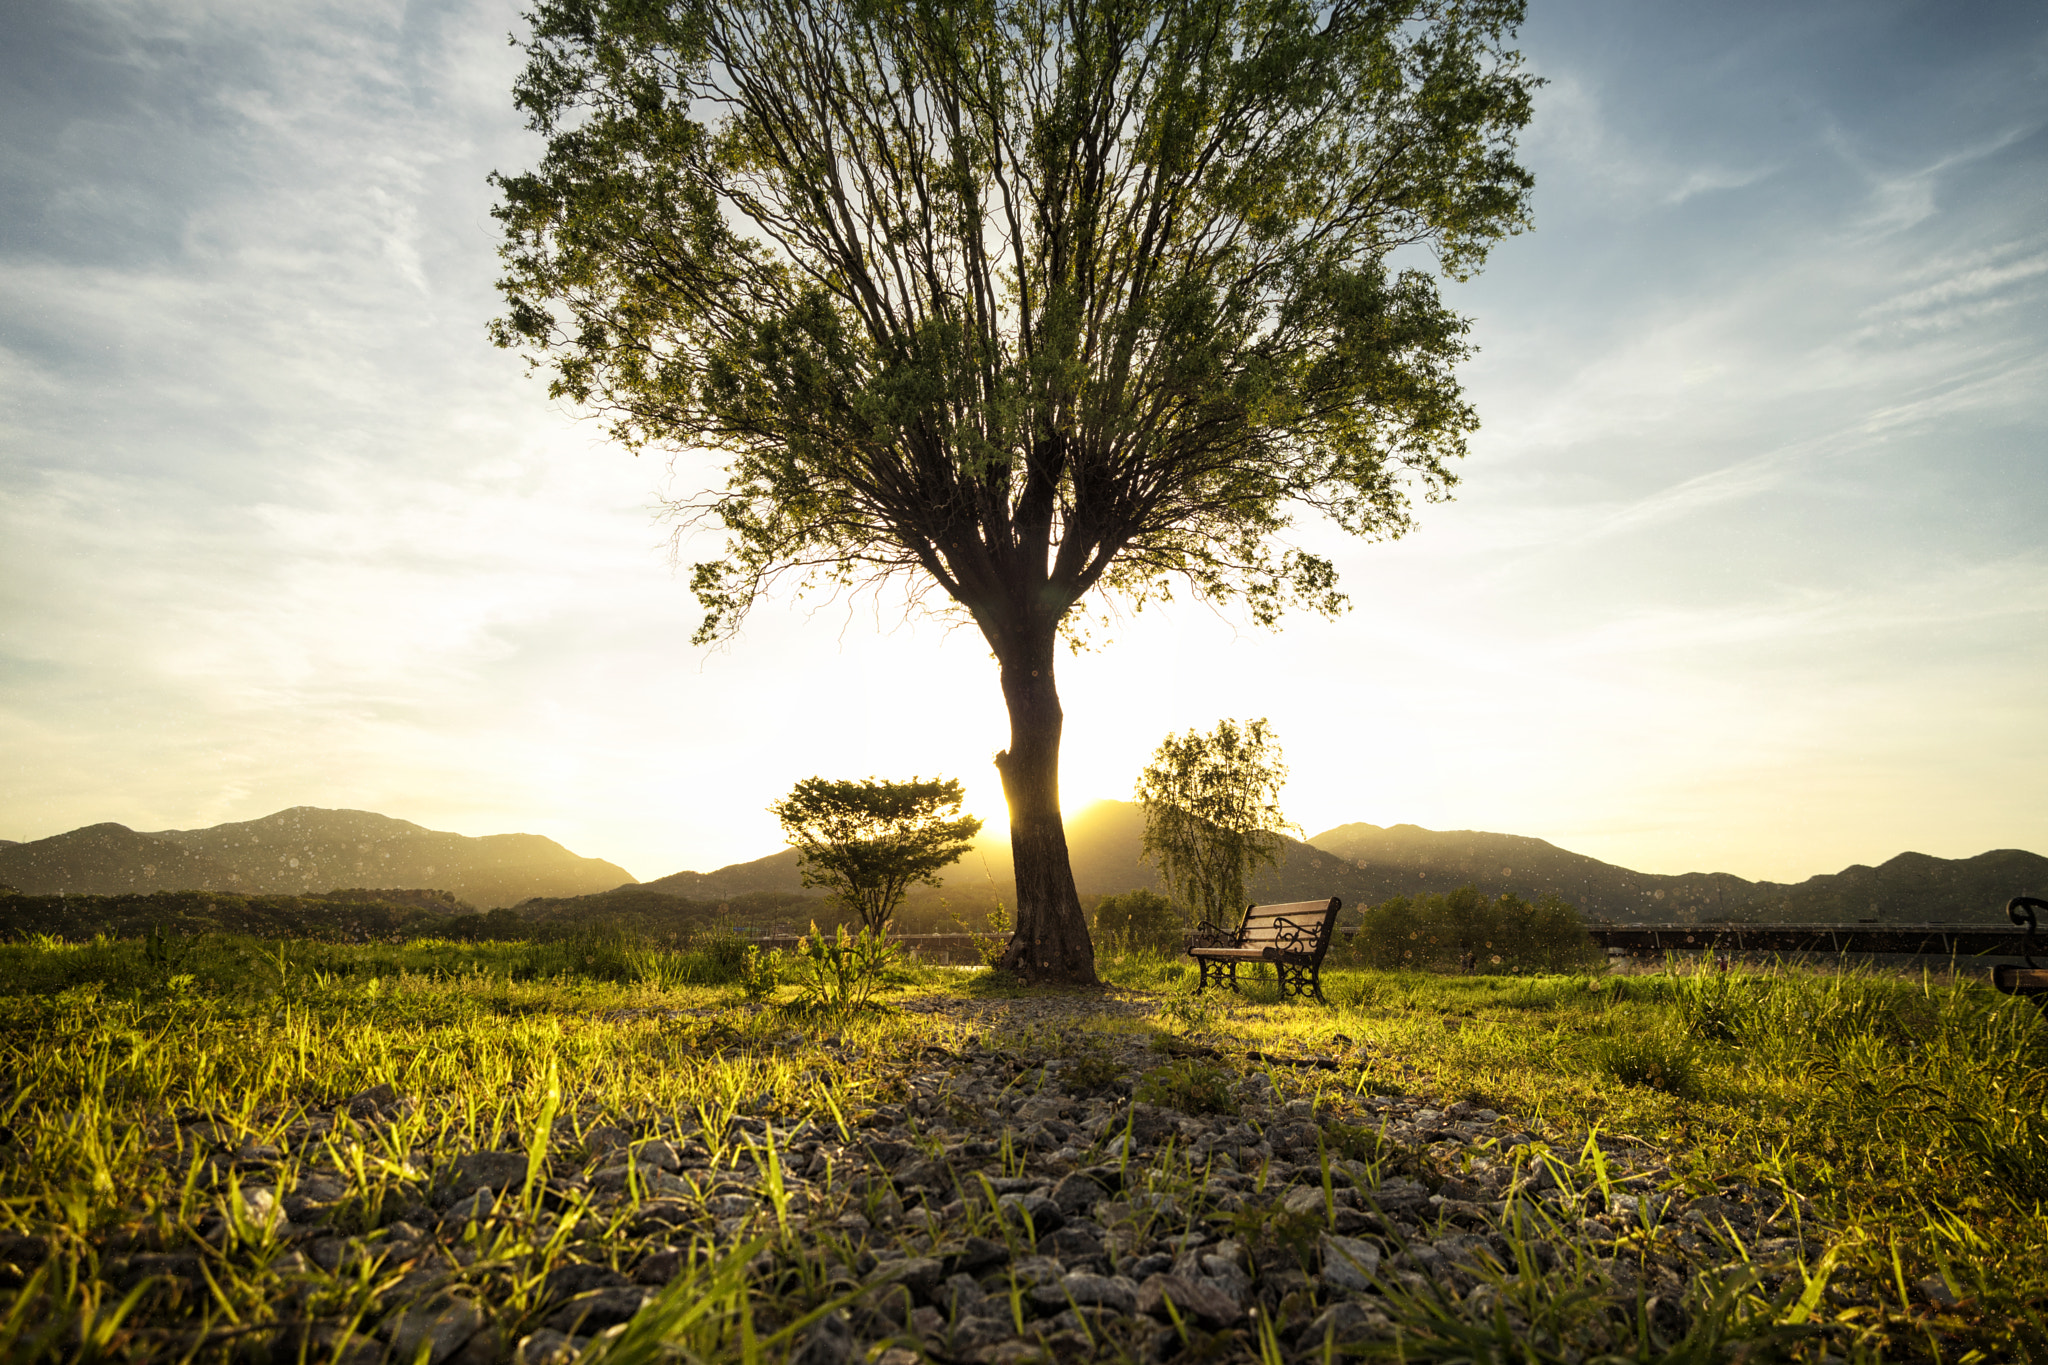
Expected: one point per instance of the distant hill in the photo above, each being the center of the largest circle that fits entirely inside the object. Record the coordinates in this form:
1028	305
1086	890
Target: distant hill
776	872
301	851
108	860
1911	888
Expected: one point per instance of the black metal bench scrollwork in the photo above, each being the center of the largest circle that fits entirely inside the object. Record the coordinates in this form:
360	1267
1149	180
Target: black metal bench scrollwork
2029	980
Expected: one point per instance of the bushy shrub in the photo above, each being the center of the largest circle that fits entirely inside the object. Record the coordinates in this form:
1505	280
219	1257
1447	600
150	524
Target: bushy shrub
1137	921
842	971
1660	1059
1445	932
991	946
760	971
724	957
1189	1086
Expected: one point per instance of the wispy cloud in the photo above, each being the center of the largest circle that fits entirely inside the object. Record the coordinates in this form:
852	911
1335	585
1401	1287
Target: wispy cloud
1764	397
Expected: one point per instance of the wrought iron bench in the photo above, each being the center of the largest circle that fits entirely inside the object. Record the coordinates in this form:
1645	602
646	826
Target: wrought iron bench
1292	937
2028	980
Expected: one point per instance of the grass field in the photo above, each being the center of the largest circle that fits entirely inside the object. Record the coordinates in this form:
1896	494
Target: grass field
156	1094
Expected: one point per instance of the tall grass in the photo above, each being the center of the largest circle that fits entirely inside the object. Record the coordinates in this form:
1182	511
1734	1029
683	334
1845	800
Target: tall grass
1910	1113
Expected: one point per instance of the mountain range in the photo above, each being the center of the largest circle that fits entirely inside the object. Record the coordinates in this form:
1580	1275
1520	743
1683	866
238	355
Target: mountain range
307	849
1366	864
302	850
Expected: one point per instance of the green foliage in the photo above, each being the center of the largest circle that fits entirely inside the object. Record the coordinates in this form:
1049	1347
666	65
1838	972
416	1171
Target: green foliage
1212	814
868	841
1504	934
1092	1071
1136	921
760	972
1190	1086
1663	1059
725	956
994	939
842	972
1187	324
1191	1011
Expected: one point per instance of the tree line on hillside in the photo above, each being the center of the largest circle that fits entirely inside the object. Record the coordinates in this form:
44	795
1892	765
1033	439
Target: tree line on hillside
336	916
1426	933
1462	930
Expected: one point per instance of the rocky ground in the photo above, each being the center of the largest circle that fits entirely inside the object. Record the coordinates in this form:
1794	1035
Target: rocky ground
1042	1191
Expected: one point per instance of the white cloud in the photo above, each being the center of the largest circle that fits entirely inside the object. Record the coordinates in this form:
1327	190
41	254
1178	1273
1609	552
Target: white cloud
1740	571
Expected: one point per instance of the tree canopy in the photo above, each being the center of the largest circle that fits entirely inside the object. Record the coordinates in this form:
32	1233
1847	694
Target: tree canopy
869	840
1015	301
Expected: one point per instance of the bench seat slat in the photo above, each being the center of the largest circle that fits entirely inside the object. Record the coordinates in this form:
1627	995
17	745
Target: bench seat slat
1247	954
2020	980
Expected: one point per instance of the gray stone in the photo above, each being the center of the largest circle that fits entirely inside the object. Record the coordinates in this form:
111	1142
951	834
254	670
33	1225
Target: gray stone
1305	1199
368	1104
1078	1193
490	1171
658	1155
1344	1323
959	1294
1348	1262
829	1342
548	1347
1293	1135
1071	1244
1044	1214
566	1282
466	1211
443	1330
320	1187
1194	1299
1400	1194
1149	1125
1087	1291
1040	1108
600	1308
981	1331
604	1139
260	1208
1227	1277
918	1274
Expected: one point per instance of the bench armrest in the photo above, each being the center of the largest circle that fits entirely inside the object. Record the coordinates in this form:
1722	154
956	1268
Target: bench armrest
1207	935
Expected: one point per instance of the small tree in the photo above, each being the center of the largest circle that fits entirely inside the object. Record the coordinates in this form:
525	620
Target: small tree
1212	814
869	840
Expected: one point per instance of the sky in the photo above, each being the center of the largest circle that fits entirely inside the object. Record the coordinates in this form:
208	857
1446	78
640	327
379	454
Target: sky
1748	571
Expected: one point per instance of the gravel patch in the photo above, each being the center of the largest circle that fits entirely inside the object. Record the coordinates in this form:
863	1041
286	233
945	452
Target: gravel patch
1017	1205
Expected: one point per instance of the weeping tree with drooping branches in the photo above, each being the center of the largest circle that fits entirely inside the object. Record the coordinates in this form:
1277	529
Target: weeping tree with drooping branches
1030	306
1212	815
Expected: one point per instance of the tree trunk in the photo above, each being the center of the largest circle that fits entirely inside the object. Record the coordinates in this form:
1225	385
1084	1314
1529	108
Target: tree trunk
1051	945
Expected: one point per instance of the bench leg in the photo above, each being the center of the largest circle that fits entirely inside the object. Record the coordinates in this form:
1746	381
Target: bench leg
1300	980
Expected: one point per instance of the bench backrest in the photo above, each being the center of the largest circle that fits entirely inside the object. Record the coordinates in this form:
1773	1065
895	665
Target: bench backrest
1301	926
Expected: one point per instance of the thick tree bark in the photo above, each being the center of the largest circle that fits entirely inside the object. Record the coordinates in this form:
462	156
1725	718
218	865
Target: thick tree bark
1051	945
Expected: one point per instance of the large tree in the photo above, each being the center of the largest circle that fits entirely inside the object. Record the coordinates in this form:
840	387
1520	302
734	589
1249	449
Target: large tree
1021	300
